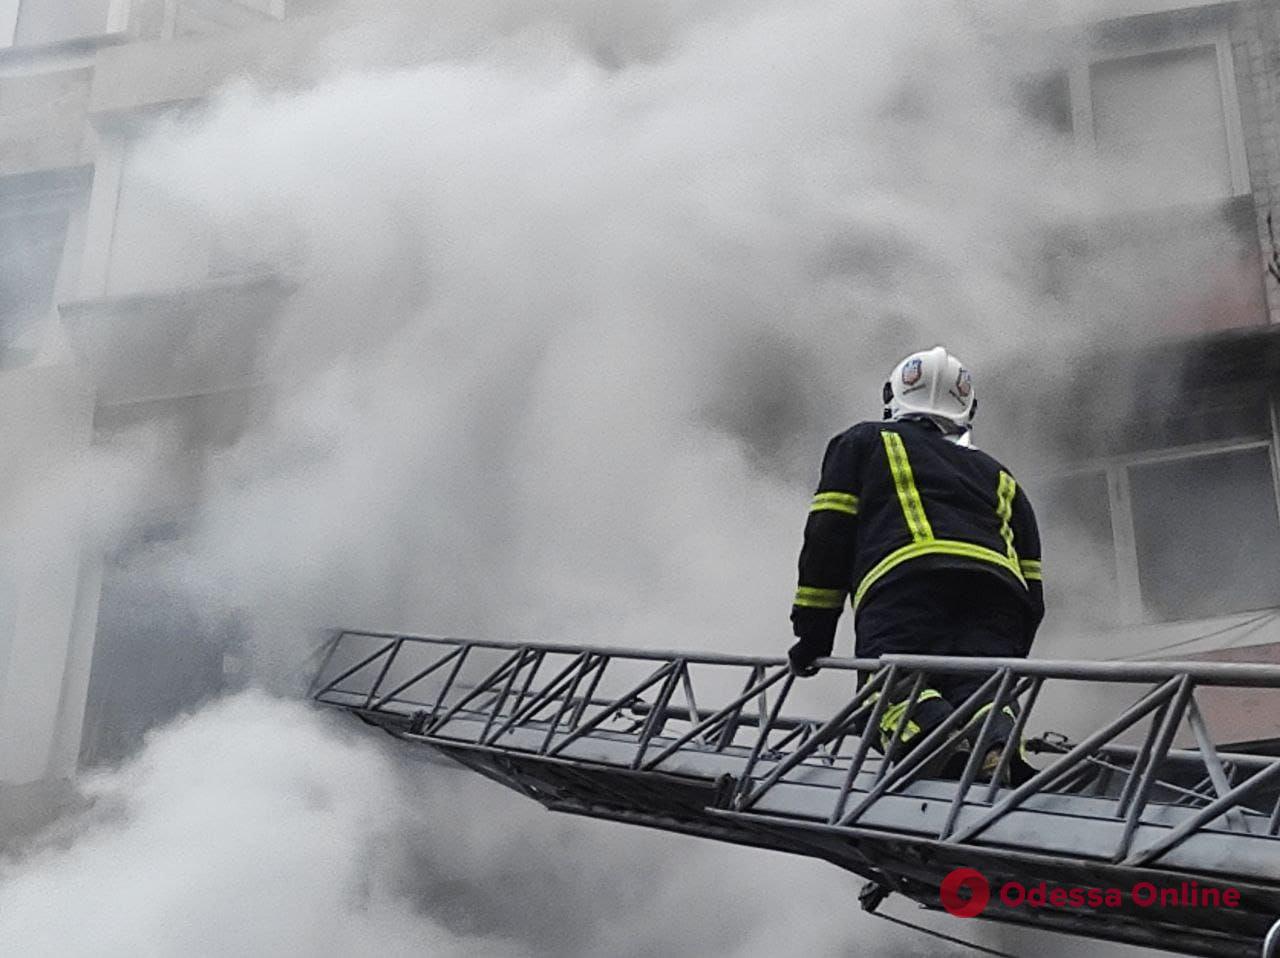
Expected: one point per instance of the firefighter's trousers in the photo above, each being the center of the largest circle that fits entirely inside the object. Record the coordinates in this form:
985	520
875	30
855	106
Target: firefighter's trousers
943	612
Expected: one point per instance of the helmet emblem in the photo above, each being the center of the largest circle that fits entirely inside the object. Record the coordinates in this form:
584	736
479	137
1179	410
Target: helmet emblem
911	371
964	385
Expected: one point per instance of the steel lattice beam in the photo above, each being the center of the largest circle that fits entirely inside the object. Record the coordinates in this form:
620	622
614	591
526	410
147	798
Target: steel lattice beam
664	739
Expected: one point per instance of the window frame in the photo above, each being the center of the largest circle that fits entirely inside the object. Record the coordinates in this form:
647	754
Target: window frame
59	195
1080	91
1115	469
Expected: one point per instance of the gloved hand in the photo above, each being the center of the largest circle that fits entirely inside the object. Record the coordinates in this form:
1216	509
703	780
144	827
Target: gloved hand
801	657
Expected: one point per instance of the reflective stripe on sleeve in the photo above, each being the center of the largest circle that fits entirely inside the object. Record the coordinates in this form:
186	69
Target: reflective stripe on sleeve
1031	569
835	502
811	598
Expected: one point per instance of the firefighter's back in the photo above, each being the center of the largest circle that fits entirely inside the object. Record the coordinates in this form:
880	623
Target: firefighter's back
928	504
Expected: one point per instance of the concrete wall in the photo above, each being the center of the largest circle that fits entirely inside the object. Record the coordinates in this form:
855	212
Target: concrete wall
47	624
144	76
155	243
1255	45
43	119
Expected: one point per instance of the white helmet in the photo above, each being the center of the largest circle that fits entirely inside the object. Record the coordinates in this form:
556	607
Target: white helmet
933	385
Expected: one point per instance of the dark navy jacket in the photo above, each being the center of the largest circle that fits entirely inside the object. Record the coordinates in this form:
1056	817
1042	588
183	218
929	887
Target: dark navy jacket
899	500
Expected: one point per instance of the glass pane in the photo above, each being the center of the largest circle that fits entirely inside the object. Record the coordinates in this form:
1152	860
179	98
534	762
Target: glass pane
1207	534
1075	518
1160	127
32	234
154	657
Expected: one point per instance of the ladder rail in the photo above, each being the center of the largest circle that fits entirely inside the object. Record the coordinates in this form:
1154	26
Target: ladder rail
665	738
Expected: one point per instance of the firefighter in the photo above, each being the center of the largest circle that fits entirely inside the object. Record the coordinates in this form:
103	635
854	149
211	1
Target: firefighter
931	541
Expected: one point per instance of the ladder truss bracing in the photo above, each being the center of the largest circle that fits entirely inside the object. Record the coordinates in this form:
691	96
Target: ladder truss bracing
731	747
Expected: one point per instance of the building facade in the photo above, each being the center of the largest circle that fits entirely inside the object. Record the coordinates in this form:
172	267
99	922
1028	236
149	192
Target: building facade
85	666
79	257
1169	443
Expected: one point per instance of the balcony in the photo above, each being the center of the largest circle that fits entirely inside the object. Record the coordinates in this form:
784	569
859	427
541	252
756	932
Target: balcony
202	338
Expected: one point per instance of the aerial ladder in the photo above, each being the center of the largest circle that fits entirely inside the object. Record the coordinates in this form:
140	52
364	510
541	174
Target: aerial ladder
1138	796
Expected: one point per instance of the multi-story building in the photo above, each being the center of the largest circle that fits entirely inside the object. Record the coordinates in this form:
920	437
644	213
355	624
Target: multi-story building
1164	492
83	250
1175	501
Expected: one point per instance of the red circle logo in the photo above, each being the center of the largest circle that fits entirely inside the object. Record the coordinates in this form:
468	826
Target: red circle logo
962	880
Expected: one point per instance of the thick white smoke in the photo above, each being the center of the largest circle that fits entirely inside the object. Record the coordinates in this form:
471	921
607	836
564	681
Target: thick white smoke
579	297
247	830
569	334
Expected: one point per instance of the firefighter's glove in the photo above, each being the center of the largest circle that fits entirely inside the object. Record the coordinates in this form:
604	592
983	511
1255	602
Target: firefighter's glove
801	658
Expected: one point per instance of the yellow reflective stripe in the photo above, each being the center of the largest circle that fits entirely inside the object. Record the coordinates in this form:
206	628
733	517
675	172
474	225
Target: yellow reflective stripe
1031	569
810	598
835	502
923	541
925	695
892	717
905	483
1004	509
908	733
950	547
987	708
977	716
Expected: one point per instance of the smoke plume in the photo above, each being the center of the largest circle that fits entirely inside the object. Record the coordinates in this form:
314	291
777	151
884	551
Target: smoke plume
578	292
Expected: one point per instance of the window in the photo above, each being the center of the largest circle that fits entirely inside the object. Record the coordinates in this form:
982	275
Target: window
1166	538
1184	527
1160	126
1154	114
157	652
33	231
1206	533
1157	108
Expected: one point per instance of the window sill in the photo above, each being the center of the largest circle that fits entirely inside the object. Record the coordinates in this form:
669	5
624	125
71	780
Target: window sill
260	280
35	55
